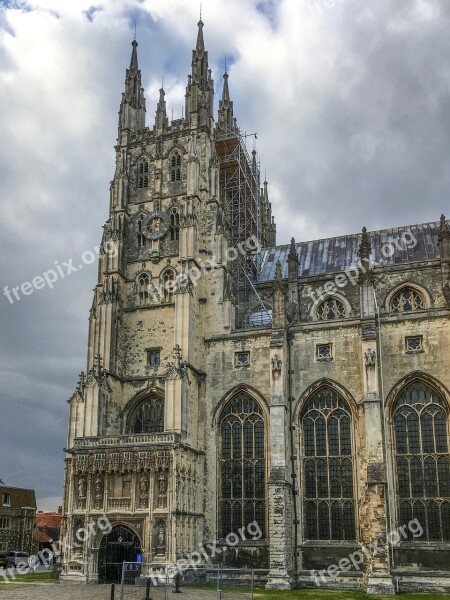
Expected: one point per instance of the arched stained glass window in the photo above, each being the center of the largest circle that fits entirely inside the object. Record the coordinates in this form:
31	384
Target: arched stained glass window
327	460
168	285
148	417
174	225
330	309
144	282
141	239
175	167
143	179
422	460
242	490
407	299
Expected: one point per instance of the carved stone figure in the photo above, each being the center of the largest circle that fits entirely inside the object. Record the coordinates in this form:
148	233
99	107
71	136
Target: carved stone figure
82	488
370	357
162	490
160	541
143	485
276	363
98	487
193	147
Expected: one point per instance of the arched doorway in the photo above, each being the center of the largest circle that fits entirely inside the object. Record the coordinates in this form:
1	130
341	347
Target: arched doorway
118	546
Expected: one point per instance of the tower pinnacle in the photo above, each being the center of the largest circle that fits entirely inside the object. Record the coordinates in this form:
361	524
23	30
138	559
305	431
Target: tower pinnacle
226	119
200	47
134	60
132	106
200	88
161	120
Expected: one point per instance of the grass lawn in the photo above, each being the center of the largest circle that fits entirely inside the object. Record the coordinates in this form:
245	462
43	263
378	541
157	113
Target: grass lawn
311	594
23	580
318	594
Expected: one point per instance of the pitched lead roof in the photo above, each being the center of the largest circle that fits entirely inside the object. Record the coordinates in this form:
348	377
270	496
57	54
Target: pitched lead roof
399	245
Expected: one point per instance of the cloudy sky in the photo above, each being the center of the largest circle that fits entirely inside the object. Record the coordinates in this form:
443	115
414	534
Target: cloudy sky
350	100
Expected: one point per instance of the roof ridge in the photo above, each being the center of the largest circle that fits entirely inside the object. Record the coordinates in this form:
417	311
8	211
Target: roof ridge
346	235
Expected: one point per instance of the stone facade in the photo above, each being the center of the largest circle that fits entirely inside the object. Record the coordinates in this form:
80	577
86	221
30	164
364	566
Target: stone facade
17	514
336	332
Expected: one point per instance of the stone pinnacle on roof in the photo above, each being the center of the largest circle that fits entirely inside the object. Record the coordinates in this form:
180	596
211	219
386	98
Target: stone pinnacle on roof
364	247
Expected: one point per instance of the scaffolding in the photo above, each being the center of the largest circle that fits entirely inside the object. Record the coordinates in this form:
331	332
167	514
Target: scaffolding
241	195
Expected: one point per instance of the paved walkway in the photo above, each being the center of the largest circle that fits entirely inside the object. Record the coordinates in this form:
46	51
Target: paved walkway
66	591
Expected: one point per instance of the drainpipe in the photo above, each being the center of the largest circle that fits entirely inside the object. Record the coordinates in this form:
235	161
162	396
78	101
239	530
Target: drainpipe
290	338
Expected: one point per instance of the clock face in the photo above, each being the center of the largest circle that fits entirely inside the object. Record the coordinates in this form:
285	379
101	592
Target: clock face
155	225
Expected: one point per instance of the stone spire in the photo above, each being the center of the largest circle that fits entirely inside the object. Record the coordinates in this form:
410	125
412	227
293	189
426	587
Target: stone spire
200	47
132	106
444	239
278	300
366	274
161	120
293	261
226	121
364	247
268	227
200	88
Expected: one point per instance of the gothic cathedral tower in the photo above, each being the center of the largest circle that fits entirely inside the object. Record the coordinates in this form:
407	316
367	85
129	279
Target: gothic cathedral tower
138	431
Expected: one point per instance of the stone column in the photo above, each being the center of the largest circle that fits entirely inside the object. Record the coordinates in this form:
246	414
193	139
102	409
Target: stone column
280	489
374	508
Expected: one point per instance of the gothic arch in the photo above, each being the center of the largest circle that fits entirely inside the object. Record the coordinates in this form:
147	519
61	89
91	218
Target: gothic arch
242	387
425	378
255	308
142	159
143	272
428	301
115	522
419	455
326	443
133	404
175	164
142	282
333	296
325	382
112	551
242	463
176	148
168	274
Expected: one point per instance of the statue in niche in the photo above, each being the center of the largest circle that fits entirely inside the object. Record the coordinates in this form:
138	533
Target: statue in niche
82	488
98	487
162	490
160	538
193	147
144	486
370	357
276	364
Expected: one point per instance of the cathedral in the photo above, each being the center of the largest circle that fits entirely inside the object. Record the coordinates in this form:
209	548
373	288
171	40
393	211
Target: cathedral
290	403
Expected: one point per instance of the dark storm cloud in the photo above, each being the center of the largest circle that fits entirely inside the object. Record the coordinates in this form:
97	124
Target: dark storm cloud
350	101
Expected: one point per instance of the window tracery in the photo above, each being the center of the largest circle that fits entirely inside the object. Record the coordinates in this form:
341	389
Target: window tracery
328	504
407	299
242	490
330	309
175	166
148	416
422	459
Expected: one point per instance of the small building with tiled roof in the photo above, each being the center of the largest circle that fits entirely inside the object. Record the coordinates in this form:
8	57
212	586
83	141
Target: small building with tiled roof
17	514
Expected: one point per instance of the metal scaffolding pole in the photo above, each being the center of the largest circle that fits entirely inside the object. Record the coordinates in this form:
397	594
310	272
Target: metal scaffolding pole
241	195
